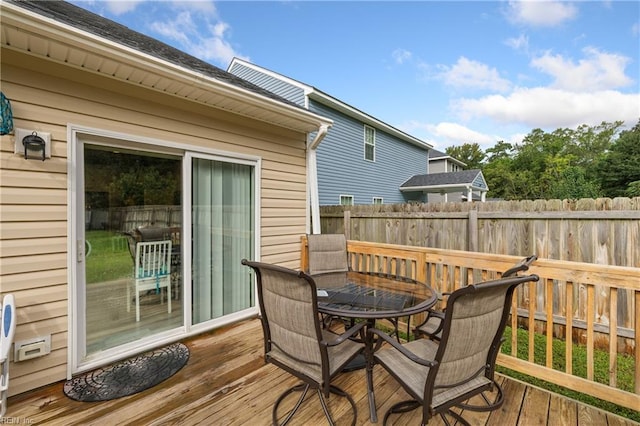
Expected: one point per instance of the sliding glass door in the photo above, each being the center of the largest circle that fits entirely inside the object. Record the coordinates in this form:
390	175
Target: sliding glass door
160	233
223	231
131	198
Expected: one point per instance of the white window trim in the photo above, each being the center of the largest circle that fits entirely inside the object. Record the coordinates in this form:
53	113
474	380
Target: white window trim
99	136
346	196
377	198
366	143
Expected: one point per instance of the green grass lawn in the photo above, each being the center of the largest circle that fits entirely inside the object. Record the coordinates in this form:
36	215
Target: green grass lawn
108	257
625	364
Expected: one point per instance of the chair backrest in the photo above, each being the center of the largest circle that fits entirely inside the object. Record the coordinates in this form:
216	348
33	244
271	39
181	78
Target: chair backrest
327	253
289	312
475	320
521	266
153	259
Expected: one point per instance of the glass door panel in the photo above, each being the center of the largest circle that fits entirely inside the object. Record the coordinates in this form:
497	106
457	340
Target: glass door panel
222	235
130	197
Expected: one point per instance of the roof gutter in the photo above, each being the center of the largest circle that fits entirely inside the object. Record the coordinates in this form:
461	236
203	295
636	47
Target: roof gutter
81	41
312	178
428	188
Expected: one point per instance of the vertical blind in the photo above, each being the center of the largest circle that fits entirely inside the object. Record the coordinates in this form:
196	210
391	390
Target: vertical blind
223	234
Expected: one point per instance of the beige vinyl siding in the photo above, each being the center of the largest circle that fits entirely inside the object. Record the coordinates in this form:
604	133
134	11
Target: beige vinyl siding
33	194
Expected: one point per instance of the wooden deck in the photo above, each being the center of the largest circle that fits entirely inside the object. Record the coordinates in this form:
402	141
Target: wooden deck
226	382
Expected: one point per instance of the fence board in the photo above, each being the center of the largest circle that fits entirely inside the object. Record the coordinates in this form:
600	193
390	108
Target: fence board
603	231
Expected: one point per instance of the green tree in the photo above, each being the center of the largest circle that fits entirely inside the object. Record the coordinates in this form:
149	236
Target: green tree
565	163
469	153
633	190
619	168
572	184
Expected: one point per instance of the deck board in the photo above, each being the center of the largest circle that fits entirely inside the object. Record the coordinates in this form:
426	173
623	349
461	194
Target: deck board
226	382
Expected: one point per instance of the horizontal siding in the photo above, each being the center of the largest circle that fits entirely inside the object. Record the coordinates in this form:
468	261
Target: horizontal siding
33	214
438	166
342	169
270	83
479	181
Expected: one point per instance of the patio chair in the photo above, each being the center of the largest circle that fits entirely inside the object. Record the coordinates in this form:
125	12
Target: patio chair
431	327
154	233
7	330
327	253
152	271
294	339
440	375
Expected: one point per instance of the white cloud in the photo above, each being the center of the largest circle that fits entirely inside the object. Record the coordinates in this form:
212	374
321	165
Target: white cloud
520	43
445	134
199	31
191	26
120	7
401	55
457	134
552	108
472	74
597	71
540	13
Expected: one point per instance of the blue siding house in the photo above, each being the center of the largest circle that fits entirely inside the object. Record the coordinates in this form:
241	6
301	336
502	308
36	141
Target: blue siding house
448	181
361	159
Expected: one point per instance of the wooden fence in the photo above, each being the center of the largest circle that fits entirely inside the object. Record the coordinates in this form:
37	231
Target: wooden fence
602	231
447	270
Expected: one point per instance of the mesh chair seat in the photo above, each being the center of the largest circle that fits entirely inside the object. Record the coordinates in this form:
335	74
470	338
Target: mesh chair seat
441	374
431	327
294	339
338	357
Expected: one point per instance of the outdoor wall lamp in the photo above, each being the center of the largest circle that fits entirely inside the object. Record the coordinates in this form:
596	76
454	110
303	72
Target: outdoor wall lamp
33	143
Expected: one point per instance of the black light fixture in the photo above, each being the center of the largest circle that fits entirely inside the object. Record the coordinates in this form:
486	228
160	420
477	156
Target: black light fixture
33	142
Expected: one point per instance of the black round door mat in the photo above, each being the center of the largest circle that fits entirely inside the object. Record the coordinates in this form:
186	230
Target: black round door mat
129	376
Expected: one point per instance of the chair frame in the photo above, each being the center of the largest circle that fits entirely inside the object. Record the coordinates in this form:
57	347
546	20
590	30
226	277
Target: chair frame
150	274
435	315
323	387
425	399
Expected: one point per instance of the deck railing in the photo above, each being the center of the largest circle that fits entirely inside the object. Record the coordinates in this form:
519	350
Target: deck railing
564	287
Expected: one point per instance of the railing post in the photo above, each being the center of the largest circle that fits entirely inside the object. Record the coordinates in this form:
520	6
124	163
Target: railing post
304	254
472	240
347	224
637	342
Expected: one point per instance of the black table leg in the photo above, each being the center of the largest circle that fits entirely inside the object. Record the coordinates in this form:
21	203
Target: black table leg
368	353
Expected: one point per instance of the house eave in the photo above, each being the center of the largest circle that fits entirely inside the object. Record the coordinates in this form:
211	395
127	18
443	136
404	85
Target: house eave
36	35
446	188
350	111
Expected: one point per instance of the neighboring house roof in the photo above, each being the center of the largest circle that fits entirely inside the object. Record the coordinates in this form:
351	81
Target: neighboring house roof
435	155
336	104
76	37
448	181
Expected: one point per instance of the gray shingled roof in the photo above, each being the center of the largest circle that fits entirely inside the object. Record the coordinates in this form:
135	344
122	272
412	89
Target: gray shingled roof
434	153
437	179
84	20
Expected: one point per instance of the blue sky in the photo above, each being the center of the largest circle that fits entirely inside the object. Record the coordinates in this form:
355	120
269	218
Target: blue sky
446	72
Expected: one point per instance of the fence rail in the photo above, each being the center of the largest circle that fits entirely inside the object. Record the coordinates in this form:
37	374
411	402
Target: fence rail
599	231
565	284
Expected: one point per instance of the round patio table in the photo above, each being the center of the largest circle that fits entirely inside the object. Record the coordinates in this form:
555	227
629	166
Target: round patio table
368	296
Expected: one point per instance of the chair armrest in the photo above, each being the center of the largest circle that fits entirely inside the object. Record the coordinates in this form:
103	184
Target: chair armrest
388	339
433	314
346	335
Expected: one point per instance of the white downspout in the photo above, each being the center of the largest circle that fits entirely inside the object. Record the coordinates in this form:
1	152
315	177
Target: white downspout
312	177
